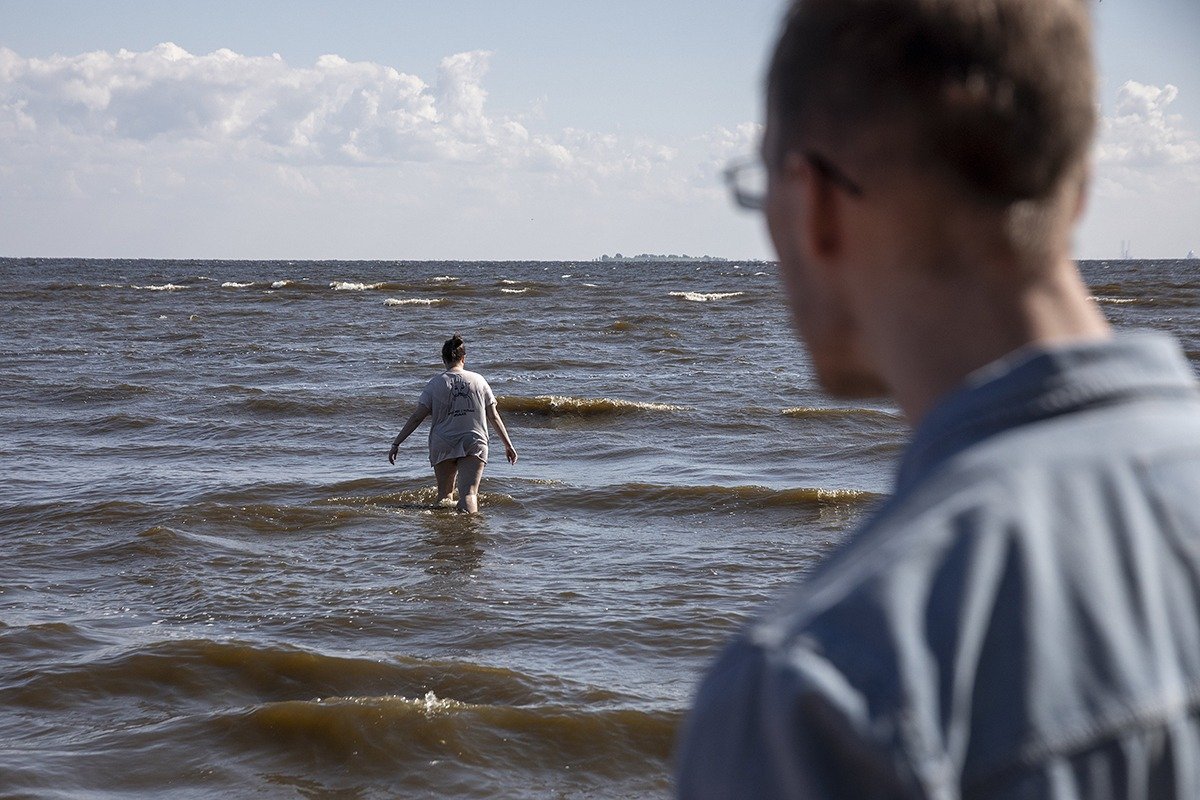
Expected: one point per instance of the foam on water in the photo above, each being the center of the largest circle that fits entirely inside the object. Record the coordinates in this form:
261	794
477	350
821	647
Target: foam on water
704	297
413	301
444	278
280	284
350	286
808	412
553	405
235	285
165	287
515	291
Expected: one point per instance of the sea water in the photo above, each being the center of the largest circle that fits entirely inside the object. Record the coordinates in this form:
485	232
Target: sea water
214	584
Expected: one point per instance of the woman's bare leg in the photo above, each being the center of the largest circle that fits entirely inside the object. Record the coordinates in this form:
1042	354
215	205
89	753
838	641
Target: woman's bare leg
445	472
470	473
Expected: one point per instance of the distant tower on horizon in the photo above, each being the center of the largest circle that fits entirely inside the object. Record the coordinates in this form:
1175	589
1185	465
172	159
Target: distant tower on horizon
1126	250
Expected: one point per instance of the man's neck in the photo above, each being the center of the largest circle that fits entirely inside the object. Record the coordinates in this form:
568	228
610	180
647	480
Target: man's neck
965	325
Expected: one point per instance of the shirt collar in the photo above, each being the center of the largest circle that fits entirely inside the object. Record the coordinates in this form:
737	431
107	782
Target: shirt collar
1042	381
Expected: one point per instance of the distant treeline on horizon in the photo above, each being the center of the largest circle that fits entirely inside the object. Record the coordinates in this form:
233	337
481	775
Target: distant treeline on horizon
658	257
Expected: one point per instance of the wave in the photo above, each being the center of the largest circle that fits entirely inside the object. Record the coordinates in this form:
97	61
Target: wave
206	670
423	499
349	286
164	287
384	731
68	514
704	297
85	395
414	301
559	405
297	404
644	497
236	285
515	291
117	423
805	412
444	278
281	284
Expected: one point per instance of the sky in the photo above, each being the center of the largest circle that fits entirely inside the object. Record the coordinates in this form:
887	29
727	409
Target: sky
472	129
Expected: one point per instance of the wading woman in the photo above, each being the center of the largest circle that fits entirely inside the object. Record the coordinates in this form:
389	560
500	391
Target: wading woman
461	403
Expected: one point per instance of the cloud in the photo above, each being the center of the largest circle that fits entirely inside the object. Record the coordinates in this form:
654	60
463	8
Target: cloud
335	112
124	142
1142	135
1147	177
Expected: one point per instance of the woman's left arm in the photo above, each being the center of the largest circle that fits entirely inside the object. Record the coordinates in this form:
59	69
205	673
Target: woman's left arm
493	412
417	417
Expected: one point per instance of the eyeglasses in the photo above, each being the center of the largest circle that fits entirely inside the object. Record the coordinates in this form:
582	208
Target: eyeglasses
747	179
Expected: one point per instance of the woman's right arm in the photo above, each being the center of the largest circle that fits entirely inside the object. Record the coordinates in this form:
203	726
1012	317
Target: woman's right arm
413	421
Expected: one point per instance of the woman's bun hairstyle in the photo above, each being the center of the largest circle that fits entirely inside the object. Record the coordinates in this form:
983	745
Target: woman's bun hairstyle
454	350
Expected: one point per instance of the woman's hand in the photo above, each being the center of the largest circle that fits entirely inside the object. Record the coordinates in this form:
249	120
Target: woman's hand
413	421
511	452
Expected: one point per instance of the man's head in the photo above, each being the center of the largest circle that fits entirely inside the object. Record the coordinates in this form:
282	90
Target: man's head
996	95
973	118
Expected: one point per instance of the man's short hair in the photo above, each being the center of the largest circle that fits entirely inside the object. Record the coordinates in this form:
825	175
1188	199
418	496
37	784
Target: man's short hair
995	95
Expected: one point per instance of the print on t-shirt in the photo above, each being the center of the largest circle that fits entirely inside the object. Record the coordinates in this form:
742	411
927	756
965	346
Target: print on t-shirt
460	390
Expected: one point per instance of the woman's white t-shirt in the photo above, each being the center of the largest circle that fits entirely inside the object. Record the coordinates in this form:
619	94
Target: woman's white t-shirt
457	400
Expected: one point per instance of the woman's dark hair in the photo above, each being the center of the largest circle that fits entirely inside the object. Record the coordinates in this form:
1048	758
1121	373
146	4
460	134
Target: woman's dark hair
454	350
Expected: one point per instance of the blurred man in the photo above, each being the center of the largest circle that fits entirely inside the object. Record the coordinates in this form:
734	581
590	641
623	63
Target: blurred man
1021	619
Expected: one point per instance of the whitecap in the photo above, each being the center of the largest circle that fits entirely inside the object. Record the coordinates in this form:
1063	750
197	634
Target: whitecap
348	286
280	284
515	291
704	297
568	275
412	301
510	283
759	273
444	278
111	286
591	286
235	285
166	287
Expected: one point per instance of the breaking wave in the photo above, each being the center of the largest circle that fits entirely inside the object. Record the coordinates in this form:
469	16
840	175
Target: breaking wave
560	405
704	297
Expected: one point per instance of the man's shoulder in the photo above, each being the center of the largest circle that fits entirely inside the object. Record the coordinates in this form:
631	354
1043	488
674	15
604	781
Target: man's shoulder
1028	490
1004	549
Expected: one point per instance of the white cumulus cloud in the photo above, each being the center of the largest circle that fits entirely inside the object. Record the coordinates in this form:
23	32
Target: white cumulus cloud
1142	134
166	146
1147	177
335	112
